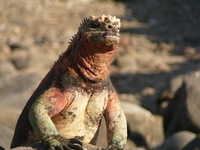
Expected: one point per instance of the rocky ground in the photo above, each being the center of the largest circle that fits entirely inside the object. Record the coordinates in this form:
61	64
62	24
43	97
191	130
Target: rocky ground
160	45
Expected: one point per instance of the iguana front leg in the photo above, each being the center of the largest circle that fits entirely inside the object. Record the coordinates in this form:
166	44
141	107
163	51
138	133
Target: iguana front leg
115	123
50	103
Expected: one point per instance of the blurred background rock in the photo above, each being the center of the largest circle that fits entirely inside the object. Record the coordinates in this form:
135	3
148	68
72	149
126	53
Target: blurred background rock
158	54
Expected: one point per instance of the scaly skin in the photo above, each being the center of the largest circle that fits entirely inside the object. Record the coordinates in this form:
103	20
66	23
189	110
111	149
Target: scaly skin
68	105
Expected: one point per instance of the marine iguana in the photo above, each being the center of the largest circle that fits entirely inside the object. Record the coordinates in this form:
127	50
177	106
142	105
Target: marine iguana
66	108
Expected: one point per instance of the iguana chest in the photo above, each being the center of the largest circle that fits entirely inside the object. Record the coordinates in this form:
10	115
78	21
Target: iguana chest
81	118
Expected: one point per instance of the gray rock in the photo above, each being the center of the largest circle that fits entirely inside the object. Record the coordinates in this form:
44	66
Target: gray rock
19	82
41	60
6	68
183	140
6	136
20	58
102	138
144	129
129	98
16	89
14	42
183	111
9	117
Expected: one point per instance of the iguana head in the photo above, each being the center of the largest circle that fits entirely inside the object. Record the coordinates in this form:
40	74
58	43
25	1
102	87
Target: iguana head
93	48
100	32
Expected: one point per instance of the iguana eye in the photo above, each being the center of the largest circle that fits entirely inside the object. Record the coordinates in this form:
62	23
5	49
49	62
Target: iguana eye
95	25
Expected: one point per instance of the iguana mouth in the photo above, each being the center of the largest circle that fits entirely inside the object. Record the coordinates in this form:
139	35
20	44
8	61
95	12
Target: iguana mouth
111	34
102	35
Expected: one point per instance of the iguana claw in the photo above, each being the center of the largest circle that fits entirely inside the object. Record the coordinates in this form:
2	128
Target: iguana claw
60	143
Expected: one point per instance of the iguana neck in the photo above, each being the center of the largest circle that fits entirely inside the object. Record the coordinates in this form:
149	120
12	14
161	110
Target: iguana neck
92	64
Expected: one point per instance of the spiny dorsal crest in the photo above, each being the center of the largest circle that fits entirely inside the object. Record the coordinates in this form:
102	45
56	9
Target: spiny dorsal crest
104	19
97	20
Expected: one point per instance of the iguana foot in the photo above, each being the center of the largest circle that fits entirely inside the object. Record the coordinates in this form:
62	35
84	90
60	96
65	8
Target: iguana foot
59	143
